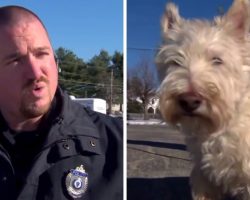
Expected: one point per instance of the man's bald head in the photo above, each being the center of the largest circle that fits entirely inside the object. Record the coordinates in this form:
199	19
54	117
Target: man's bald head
12	15
26	59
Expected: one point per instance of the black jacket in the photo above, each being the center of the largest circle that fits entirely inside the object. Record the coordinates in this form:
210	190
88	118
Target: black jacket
76	137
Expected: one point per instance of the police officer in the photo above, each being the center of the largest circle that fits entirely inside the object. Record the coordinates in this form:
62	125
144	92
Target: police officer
50	147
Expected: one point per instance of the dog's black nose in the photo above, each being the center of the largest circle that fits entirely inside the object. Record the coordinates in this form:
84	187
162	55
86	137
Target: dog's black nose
189	102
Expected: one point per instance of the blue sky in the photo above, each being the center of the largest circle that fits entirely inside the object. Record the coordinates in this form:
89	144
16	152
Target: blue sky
143	23
85	27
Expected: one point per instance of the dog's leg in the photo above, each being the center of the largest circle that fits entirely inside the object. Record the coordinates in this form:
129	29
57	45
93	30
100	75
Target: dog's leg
202	189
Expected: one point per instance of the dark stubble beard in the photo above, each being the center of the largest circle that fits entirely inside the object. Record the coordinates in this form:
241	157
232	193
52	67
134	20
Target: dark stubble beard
28	108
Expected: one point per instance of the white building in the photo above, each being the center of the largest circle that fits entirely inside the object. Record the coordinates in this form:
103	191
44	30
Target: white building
153	105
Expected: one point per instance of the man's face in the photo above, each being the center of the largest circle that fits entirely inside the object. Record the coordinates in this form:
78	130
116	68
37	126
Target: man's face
28	71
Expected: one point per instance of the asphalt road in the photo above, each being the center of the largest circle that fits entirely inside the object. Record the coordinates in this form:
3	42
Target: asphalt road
158	165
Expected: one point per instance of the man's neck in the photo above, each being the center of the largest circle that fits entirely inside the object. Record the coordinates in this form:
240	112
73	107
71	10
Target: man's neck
28	125
19	125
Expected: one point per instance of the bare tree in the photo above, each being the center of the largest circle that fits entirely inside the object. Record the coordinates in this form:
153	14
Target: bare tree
142	83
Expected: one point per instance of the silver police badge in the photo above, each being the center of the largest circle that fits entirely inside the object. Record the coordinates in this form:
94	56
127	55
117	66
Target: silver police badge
77	182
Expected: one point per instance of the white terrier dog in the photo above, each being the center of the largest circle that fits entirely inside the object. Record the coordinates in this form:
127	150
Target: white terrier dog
204	69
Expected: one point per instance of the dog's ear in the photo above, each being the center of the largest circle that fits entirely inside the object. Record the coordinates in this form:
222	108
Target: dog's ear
237	20
170	18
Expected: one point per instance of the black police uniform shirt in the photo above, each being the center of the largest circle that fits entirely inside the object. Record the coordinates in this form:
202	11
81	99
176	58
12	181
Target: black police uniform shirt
75	153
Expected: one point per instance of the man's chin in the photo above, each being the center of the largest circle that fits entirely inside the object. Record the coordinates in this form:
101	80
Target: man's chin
35	109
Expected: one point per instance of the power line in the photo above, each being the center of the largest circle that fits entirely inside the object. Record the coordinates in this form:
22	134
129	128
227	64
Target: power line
70	73
87	83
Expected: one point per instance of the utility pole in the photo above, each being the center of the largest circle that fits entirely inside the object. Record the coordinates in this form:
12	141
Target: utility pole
111	90
111	67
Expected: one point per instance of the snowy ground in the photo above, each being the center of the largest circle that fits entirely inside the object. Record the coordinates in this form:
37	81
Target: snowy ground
146	122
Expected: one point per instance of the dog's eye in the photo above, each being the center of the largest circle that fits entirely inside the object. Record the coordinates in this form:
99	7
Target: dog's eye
173	63
217	61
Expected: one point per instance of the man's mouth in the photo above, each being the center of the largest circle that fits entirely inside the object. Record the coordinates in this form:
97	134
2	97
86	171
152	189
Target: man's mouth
38	90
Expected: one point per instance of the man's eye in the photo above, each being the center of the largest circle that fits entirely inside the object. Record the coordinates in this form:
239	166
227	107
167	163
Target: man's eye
14	60
41	54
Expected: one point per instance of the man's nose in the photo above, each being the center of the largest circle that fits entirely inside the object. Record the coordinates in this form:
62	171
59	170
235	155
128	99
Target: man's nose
33	68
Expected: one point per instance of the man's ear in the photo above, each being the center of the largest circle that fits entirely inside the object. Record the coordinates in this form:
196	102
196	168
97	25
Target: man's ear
57	63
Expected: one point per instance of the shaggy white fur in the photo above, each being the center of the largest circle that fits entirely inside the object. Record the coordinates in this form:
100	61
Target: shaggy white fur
204	68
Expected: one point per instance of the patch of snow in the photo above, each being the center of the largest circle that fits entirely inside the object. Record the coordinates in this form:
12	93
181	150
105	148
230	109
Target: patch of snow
146	122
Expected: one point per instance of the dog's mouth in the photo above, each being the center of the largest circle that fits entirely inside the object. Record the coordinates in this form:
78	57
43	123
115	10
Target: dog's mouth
180	116
192	115
187	112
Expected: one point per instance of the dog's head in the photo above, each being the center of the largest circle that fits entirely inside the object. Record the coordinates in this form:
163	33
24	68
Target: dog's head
202	65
